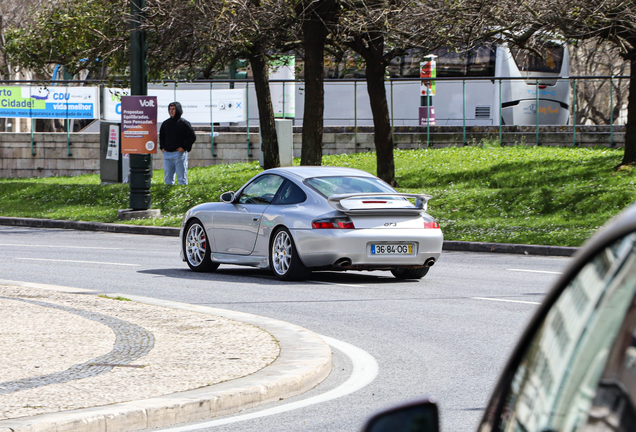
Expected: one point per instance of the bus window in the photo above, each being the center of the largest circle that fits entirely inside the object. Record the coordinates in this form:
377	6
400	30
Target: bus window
481	62
450	63
549	61
478	62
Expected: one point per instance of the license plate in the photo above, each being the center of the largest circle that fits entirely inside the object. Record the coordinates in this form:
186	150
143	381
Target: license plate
391	249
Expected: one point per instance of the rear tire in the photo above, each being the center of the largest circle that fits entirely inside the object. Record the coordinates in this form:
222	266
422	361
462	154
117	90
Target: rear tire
196	248
283	257
416	273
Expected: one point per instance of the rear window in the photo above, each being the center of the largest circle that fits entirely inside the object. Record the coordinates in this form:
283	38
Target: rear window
328	186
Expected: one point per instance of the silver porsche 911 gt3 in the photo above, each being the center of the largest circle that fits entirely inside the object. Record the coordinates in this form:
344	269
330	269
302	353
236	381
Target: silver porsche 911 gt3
298	219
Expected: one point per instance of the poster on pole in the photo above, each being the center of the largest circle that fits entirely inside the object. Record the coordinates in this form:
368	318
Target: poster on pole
428	69
139	124
283	94
427	116
113	143
49	102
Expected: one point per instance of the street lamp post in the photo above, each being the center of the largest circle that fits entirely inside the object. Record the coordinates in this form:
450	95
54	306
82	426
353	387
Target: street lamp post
140	164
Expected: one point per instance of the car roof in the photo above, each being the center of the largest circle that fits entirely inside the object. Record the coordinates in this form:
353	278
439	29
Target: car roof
304	172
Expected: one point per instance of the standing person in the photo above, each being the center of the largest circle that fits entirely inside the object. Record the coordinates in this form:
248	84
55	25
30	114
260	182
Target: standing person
176	137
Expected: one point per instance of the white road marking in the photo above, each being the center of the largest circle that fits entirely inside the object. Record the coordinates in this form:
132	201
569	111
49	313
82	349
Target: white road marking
365	369
505	300
535	271
339	284
50	246
81	262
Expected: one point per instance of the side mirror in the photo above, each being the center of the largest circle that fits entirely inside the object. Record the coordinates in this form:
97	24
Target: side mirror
227	197
421	416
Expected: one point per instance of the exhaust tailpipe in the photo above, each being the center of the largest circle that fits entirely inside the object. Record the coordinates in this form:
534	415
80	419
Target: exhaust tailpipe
429	262
343	262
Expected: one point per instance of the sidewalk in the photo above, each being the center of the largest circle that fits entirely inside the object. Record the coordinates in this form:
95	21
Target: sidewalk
73	360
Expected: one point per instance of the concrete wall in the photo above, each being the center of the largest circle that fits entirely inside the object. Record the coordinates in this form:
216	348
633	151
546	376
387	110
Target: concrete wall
51	156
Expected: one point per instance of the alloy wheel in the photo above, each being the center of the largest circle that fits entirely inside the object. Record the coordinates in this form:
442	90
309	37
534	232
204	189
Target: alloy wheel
282	253
196	243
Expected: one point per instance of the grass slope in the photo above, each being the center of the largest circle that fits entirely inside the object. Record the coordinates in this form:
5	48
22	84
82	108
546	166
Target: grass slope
534	195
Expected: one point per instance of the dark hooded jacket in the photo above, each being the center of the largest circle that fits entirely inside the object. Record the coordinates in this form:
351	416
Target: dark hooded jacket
176	132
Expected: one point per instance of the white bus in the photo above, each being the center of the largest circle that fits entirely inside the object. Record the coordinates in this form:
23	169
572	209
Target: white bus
477	102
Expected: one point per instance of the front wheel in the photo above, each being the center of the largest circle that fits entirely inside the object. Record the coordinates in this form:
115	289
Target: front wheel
196	248
416	273
283	257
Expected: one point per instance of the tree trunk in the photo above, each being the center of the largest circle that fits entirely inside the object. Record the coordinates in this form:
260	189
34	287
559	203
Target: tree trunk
269	140
314	34
629	158
376	68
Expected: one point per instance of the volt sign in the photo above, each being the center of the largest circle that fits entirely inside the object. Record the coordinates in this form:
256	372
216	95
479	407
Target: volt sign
139	124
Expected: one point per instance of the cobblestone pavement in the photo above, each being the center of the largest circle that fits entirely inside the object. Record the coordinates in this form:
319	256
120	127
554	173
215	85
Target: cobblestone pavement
61	351
131	343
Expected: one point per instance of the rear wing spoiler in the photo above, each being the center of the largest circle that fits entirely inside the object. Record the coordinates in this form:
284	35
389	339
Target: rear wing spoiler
421	203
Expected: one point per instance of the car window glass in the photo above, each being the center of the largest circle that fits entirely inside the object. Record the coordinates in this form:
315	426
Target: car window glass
345	185
555	382
289	194
614	405
262	190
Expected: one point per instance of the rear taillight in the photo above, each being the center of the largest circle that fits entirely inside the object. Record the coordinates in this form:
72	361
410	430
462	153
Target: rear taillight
333	223
432	224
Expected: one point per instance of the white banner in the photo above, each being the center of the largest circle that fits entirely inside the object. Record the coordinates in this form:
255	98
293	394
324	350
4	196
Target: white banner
199	106
283	94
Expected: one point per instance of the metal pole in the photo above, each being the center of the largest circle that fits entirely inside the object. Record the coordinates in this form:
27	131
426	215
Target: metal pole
392	121
32	124
68	127
247	106
283	99
574	112
355	112
428	114
464	109
536	95
500	117
612	111
31	114
212	121
140	164
138	65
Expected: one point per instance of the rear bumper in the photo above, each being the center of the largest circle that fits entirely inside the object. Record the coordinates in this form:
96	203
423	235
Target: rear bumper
322	248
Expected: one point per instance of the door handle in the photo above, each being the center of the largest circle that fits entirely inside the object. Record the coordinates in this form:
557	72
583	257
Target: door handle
255	219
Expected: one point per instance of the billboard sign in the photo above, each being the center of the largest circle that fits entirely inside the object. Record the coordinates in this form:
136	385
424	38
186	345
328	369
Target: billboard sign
199	106
51	102
139	124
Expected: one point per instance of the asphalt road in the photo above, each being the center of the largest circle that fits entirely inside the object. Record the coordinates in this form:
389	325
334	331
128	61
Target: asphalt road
446	336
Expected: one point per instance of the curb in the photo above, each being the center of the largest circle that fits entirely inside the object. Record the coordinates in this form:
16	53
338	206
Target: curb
509	248
449	245
89	226
304	362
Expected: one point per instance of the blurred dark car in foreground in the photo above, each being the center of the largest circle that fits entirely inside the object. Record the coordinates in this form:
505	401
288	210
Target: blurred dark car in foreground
574	368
